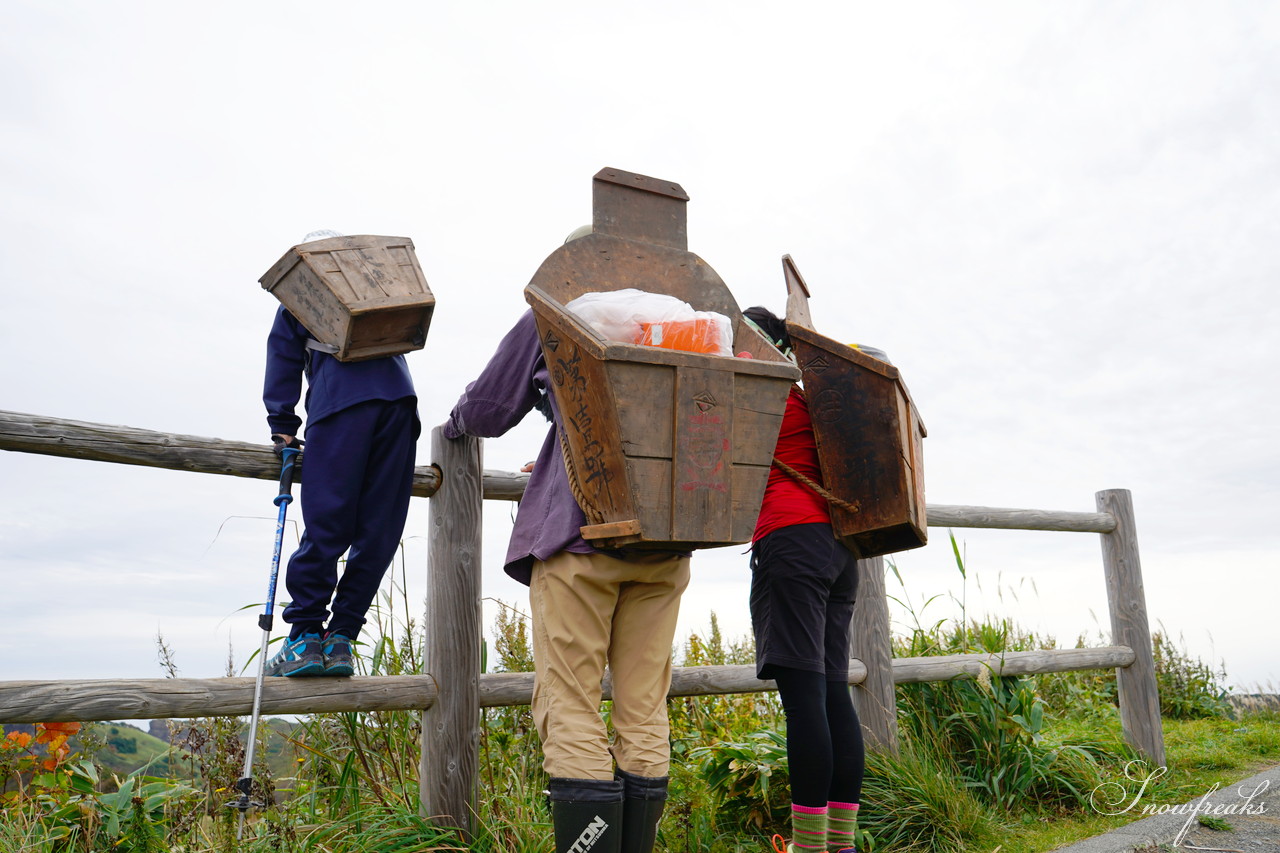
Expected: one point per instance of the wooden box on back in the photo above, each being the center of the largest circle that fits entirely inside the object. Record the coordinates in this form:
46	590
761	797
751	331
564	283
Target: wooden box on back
665	449
364	295
868	432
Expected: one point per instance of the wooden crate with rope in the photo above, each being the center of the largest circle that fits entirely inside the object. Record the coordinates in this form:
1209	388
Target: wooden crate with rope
869	436
664	448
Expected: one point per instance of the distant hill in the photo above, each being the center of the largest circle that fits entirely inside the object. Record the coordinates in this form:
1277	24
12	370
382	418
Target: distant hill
277	751
126	749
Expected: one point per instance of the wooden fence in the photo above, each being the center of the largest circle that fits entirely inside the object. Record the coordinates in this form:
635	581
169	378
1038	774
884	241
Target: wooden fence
451	695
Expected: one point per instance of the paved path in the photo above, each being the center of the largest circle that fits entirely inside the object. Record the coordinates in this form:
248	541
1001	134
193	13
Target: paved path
1251	807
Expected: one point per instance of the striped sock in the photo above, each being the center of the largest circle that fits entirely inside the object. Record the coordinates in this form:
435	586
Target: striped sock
842	825
808	828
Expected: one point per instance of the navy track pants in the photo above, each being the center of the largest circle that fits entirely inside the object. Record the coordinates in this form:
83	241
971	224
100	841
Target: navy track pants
357	474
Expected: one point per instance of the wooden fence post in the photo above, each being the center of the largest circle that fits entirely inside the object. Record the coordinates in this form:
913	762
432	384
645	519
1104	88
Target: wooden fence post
869	642
451	727
1136	683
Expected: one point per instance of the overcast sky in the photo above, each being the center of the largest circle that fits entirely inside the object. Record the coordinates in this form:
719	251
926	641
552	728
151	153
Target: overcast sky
1060	220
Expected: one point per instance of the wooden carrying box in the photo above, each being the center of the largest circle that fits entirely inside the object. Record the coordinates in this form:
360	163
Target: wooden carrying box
868	432
665	449
365	295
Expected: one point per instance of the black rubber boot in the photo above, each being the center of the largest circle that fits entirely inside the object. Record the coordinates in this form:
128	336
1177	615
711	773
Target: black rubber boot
644	798
586	814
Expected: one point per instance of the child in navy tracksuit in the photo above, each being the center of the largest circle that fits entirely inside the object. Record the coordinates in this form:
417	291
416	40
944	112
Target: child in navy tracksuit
357	473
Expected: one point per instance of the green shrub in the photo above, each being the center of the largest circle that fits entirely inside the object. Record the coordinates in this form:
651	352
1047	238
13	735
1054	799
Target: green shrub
1189	688
1088	694
513	811
991	729
748	780
60	803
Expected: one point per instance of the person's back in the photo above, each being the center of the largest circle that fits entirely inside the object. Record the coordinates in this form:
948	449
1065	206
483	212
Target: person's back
803	588
361	433
590	608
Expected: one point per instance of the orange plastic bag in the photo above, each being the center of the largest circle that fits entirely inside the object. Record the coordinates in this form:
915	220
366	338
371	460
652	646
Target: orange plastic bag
654	319
702	334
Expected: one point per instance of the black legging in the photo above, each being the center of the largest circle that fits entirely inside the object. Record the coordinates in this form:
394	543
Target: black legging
824	740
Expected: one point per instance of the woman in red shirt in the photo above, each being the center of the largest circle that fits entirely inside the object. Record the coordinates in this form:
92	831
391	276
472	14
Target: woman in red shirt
803	586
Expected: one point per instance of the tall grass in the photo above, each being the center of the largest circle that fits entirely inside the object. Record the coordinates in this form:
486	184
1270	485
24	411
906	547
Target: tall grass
991	731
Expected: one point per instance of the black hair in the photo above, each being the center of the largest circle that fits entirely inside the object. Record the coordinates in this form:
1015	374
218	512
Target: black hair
543	405
774	329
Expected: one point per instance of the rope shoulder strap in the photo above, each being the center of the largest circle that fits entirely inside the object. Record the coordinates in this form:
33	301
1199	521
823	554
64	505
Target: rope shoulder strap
592	516
851	506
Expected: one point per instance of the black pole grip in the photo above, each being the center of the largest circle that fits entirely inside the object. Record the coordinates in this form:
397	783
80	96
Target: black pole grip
288	464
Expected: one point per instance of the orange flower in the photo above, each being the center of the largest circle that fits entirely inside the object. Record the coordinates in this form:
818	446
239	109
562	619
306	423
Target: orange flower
21	740
55	736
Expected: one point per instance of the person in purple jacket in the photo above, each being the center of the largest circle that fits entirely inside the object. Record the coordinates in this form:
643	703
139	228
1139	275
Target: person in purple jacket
589	608
361	437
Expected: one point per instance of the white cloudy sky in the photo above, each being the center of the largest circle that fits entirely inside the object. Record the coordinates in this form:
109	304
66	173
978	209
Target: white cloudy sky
1060	220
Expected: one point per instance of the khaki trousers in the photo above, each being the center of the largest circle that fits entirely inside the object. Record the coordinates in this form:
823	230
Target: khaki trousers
589	610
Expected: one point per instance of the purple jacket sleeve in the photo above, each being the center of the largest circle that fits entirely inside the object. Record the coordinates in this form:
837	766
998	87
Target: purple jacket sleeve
505	390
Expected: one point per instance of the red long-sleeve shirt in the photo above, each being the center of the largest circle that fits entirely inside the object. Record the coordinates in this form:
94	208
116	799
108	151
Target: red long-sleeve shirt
787	501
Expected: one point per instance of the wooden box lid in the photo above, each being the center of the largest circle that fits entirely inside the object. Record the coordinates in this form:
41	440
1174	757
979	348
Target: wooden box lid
868	432
363	294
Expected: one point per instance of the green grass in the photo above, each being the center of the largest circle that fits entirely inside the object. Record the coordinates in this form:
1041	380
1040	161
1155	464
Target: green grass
1199	754
1215	823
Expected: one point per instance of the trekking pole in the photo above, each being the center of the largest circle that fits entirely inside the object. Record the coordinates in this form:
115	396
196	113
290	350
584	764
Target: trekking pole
288	462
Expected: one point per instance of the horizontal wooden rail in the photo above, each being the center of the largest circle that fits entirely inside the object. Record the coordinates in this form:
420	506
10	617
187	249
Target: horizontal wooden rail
132	446
943	515
182	698
175	698
516	688
916	670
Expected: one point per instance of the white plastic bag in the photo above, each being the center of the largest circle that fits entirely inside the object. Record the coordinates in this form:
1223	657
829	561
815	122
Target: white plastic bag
655	319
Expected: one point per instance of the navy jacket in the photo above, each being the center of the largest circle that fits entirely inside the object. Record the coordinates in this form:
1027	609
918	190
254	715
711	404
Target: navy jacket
332	385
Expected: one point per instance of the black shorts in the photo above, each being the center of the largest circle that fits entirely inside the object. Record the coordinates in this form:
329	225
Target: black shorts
803	585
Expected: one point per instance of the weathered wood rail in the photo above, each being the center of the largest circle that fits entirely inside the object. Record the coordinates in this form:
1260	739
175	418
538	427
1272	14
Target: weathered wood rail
458	484
182	698
131	446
